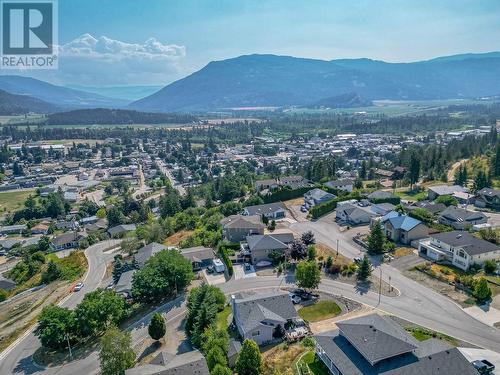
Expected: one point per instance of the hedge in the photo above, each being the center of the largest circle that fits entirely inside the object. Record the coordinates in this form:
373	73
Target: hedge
226	260
327	207
393	200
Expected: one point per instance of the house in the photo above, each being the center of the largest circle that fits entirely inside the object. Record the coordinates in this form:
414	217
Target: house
463	198
293	182
146	252
488	198
65	241
317	196
403	228
379	195
98	225
271	210
165	363
460	218
377	345
268	184
460	248
383	173
121	229
346	184
199	256
13	229
259	247
433	208
124	284
440	190
40	228
398	173
68	225
89	220
354	214
236	228
257	317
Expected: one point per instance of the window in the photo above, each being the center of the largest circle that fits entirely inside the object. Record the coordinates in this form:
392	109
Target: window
256	333
461	254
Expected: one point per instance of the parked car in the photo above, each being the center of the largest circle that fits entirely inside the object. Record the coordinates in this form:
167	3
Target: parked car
357	260
78	287
110	286
483	366
304	294
248	267
295	298
303	208
210	269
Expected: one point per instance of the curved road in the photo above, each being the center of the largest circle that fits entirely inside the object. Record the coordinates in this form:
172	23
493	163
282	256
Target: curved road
17	357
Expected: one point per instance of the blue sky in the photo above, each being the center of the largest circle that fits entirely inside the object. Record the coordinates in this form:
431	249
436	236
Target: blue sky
190	33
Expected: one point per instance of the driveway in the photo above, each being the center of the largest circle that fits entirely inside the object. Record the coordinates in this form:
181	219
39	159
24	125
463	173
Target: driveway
473	354
485	313
241	273
214	278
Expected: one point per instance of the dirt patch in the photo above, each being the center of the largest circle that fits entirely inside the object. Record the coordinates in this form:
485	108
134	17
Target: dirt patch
438	286
279	358
323	251
176	238
330	324
403	251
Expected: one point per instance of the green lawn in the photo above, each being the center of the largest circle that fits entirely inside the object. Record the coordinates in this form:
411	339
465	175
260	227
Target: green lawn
222	317
11	201
320	311
422	334
316	367
411	195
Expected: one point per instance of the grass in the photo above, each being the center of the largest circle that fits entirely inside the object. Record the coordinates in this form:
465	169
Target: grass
320	311
410	195
72	266
279	358
314	364
222	317
11	201
422	334
402	251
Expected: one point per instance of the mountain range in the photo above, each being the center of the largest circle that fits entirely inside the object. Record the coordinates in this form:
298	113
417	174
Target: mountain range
270	80
11	104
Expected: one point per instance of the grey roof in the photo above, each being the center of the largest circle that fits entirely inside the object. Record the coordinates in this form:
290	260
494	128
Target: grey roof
190	363
265	208
234	348
121	229
64	238
124	284
251	311
7	284
376	338
319	195
471	244
433	208
460	214
146	252
269	241
488	192
447	189
240	221
426	358
198	253
380	194
340	183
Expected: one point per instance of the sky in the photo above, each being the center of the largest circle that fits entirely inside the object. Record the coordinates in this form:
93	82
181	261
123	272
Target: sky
155	42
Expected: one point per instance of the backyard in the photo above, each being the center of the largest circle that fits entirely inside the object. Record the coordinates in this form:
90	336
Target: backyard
320	310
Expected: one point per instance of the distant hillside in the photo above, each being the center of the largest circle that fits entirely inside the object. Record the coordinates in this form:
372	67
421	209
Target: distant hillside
269	80
11	104
349	100
57	95
115	117
128	93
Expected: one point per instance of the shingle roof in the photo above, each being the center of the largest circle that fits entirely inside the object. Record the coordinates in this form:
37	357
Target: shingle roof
471	244
190	363
446	189
318	194
265	208
146	252
460	214
251	311
198	253
269	241
124	284
376	338
240	221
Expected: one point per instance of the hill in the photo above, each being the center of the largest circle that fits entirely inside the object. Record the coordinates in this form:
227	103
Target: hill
11	104
349	100
270	80
106	116
57	95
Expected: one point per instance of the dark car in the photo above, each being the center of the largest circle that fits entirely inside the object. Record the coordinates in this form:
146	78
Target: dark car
483	366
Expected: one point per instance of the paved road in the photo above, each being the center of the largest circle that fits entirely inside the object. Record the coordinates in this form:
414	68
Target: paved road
165	171
17	358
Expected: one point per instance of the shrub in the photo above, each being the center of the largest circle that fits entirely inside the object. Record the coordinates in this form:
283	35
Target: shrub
490	266
335	268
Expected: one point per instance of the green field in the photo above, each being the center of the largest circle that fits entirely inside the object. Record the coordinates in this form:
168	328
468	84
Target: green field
11	201
320	311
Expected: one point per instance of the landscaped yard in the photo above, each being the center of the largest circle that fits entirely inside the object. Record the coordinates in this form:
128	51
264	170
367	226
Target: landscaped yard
422	334
222	318
11	201
410	195
309	364
321	310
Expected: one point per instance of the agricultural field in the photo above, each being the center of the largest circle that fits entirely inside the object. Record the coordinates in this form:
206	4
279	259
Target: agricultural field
11	201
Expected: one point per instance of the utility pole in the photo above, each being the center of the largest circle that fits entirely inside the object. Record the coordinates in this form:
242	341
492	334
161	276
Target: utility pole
337	249
380	287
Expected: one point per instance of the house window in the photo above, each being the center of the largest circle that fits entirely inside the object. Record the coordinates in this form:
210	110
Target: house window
256	333
461	253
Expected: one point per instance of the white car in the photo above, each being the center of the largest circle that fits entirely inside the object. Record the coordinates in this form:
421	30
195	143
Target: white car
295	298
78	287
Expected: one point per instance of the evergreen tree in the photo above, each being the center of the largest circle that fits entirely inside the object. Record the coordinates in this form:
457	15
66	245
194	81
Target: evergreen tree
157	327
249	360
376	239
365	269
482	291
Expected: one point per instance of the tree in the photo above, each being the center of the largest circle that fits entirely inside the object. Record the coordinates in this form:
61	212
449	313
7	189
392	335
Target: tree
99	310
221	370
157	327
447	200
216	356
265	219
307	275
215	337
481	181
414	171
298	250
116	354
362	170
329	262
308	238
376	239
482	291
165	273
461	175
490	266
311	252
170	203
489	235
52	273
249	360
365	269
115	216
55	326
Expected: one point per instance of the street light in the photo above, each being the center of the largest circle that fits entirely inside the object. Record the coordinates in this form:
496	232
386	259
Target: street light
69	347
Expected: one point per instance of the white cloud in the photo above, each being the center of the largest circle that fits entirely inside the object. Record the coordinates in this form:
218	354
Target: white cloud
103	61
